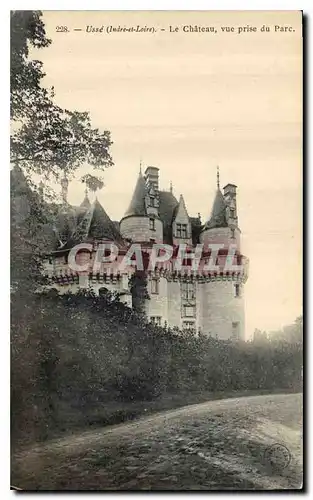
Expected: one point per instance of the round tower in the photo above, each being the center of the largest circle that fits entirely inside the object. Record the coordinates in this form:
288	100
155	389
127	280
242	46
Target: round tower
223	270
141	222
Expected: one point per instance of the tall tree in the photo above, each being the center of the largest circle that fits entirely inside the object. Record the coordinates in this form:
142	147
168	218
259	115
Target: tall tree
45	138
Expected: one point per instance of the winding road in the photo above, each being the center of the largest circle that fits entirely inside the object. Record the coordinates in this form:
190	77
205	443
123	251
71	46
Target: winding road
245	443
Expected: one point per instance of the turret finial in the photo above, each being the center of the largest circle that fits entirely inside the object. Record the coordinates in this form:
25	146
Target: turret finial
140	165
218	176
171	187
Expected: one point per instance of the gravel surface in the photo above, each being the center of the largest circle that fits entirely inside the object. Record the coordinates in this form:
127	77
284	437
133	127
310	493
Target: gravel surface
245	443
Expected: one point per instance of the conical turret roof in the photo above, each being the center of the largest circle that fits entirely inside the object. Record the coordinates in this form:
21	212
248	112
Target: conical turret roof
137	205
95	224
218	213
101	226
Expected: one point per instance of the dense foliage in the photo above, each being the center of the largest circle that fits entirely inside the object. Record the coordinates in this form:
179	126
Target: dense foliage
75	356
45	138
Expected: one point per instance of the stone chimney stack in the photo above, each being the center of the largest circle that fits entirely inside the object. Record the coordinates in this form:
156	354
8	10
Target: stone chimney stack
152	177
230	197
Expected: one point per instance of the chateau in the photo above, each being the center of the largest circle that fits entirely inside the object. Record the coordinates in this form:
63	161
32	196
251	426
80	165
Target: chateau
210	302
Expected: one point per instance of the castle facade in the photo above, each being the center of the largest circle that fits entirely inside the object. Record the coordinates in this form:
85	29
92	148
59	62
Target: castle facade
207	301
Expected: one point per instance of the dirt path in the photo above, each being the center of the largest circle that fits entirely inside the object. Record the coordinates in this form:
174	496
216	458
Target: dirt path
251	443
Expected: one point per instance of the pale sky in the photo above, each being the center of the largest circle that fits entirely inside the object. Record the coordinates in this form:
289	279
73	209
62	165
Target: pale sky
186	102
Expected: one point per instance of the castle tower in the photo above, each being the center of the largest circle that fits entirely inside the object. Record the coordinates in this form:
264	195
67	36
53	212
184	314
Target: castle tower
141	222
222	225
221	294
209	299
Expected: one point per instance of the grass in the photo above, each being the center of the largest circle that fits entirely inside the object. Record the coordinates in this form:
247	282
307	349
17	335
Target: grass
115	412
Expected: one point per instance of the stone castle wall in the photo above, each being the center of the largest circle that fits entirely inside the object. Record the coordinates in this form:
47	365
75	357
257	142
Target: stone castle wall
138	229
218	311
218	301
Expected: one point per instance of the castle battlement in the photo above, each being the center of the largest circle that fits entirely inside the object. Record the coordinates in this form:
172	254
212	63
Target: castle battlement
202	299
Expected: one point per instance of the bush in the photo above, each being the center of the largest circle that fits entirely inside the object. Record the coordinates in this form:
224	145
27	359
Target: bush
73	355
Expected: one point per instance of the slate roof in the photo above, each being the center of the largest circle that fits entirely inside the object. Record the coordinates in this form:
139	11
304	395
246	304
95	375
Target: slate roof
93	223
167	211
101	226
75	224
218	214
196	228
86	202
137	205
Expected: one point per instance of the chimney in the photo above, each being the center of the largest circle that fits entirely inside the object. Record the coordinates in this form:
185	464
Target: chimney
152	177
230	197
230	190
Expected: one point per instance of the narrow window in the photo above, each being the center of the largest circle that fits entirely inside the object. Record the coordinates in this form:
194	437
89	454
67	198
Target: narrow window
232	233
178	230
151	202
191	291
237	290
188	290
152	224
184	230
154	286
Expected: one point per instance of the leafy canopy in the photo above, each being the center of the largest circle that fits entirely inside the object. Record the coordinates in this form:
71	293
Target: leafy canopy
47	139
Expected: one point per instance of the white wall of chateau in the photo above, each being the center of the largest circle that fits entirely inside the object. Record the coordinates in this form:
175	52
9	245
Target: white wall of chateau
108	279
221	235
219	308
174	304
157	304
138	229
74	288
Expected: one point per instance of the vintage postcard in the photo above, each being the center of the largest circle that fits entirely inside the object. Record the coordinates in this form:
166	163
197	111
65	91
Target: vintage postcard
156	250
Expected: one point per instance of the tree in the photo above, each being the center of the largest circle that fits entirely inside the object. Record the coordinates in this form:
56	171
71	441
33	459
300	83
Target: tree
47	139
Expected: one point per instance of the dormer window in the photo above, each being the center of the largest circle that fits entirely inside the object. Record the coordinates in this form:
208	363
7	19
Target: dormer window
181	230
152	224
